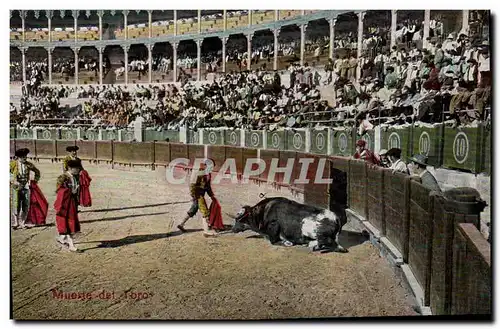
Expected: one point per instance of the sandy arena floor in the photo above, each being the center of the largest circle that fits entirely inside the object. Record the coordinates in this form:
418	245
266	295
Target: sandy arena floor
136	265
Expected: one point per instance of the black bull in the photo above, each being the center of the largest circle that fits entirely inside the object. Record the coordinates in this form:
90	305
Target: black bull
284	220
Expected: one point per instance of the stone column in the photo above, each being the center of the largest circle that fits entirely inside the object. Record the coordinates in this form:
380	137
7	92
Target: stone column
174	66
276	15
101	50
23	54
361	17
249	17
276	33
199	21
150	24
394	23
49	14
76	50
427	23
125	51
224	18
332	37
23	19
125	23
303	28
224	41
75	16
465	21
100	13
249	50
175	22
150	62
49	57
198	64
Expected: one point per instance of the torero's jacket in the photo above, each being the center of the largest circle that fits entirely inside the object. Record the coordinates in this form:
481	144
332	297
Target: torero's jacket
14	170
201	186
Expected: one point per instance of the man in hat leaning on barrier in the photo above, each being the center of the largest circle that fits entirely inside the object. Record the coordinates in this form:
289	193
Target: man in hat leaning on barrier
418	167
197	191
20	170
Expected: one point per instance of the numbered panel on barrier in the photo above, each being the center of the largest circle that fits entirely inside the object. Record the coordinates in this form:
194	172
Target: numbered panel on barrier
369	138
342	142
232	137
193	137
254	139
12	133
462	149
172	135
109	135
296	140
319	141
486	161
213	137
24	133
128	135
90	134
151	135
277	140
48	134
69	134
397	138
429	142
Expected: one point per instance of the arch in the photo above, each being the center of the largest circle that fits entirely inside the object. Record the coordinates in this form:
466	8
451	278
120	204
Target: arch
451	21
187	54
162	23
88	65
113	59
16	65
112	25
37	63
262	49
346	35
62	25
376	24
88	25
288	46
162	64
212	20
16	25
404	18
63	65
317	36
36	26
211	57
138	71
236	46
187	22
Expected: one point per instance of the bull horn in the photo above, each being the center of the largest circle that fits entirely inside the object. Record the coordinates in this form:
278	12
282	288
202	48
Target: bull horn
230	216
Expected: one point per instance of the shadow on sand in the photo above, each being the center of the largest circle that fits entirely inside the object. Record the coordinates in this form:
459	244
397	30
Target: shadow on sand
135	207
134	239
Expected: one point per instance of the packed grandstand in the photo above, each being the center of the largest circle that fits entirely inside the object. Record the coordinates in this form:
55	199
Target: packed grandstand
382	67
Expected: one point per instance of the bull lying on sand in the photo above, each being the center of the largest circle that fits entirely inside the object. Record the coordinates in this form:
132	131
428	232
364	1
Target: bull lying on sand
281	219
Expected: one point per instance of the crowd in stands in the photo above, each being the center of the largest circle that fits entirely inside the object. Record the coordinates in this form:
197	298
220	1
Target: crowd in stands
448	81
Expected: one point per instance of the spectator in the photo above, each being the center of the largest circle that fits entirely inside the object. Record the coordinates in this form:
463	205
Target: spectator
397	165
418	168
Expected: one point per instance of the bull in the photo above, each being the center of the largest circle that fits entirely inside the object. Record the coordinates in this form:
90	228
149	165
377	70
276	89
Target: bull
285	221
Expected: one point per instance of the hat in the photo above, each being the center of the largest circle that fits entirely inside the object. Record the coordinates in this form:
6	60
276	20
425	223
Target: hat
361	142
395	152
420	159
22	152
72	148
382	152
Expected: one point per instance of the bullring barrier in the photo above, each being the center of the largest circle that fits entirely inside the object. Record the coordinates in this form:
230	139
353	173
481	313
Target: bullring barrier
467	148
441	248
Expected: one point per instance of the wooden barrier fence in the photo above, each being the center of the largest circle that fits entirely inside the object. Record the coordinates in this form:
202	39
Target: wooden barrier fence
444	249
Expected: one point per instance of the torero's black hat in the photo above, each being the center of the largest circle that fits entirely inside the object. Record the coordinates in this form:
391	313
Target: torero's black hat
22	152
72	148
74	163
